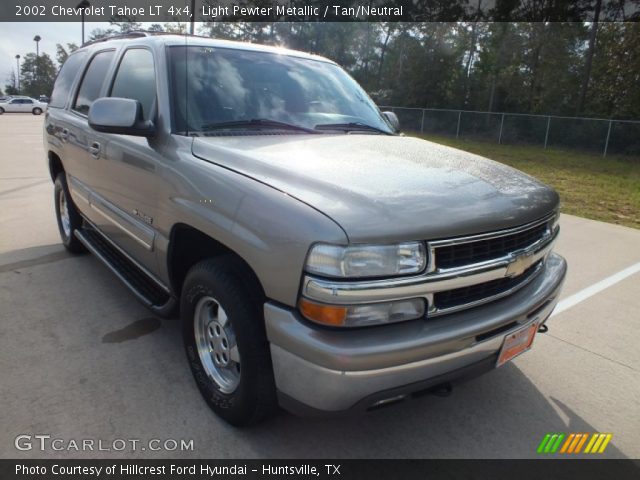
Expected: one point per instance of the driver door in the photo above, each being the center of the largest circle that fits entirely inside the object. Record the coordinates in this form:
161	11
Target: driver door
14	106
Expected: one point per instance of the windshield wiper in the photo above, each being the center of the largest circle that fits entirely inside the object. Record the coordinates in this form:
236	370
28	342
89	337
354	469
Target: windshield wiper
256	123
351	126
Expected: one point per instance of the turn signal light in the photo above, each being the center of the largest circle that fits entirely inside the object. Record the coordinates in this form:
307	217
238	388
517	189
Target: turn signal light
362	315
324	314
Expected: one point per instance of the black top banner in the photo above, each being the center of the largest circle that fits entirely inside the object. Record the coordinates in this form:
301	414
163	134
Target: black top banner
317	10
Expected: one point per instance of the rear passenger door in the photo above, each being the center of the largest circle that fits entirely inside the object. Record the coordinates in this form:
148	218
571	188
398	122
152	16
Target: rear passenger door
125	172
82	138
27	105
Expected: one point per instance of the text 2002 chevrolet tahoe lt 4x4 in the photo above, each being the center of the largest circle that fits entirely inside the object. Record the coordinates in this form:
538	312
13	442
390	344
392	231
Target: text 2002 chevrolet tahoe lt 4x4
320	260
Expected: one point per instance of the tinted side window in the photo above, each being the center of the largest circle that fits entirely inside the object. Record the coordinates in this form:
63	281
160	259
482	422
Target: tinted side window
65	79
136	79
92	81
27	101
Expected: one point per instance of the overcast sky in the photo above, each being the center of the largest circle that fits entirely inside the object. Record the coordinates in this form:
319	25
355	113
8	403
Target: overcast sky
17	39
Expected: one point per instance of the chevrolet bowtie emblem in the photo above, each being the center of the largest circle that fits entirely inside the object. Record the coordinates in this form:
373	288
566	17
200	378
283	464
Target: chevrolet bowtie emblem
519	265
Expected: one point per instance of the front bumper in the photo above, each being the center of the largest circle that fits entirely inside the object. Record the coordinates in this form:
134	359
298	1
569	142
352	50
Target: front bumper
331	370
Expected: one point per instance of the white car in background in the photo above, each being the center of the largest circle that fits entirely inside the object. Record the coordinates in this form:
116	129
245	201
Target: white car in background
22	105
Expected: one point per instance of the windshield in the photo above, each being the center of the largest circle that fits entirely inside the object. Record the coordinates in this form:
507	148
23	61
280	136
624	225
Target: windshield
212	86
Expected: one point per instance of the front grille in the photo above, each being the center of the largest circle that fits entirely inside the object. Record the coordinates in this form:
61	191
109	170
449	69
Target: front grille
462	296
489	263
452	256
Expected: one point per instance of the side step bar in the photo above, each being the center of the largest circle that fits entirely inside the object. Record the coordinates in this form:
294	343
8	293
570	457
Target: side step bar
148	290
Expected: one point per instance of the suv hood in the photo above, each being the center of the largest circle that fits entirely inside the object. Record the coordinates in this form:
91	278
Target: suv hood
385	188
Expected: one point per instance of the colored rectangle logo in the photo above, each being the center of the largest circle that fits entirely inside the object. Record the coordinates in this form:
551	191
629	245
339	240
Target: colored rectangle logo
574	443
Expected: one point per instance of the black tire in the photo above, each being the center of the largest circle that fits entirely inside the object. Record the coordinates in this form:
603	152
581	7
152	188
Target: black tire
1	110
69	240
225	280
37	111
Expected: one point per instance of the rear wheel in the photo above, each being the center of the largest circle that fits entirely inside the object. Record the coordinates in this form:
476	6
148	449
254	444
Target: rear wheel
67	216
37	111
225	341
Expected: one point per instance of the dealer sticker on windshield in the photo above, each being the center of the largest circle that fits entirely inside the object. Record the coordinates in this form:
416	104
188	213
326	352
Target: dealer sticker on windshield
516	343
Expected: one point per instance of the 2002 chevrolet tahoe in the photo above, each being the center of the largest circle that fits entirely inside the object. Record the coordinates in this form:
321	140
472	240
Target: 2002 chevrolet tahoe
320	260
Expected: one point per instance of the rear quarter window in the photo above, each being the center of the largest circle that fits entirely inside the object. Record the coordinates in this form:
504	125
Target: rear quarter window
65	79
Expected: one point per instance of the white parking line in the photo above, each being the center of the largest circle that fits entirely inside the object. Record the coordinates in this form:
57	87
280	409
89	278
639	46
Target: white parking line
582	295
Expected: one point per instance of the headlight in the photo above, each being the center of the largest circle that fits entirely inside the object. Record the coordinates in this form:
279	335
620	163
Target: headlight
367	260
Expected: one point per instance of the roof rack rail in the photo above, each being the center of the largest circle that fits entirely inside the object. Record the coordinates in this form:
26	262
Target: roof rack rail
137	34
132	34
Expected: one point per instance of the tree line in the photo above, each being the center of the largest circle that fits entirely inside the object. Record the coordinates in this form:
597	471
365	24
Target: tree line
38	72
560	68
568	68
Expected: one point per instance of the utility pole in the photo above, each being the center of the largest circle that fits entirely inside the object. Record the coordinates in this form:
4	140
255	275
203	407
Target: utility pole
18	65
37	39
193	17
83	5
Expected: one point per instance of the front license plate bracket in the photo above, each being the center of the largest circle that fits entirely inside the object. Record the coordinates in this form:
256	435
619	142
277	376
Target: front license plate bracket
516	343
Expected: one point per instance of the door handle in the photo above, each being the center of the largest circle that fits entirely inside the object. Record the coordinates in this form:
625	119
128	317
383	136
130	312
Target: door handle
94	150
64	134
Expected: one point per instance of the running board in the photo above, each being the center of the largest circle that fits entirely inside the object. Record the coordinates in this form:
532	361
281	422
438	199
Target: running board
146	289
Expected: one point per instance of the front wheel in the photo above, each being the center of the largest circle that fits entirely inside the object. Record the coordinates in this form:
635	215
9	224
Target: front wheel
225	341
1	110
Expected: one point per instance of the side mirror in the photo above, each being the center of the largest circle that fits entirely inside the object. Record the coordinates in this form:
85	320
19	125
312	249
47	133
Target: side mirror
392	118
119	115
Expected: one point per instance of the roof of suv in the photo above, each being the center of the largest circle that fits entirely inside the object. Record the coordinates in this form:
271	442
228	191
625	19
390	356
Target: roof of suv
155	38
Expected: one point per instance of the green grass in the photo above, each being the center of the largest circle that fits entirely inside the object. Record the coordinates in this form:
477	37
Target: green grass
606	189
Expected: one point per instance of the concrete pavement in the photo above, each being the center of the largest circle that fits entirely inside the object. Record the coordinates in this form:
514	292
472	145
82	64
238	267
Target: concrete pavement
81	358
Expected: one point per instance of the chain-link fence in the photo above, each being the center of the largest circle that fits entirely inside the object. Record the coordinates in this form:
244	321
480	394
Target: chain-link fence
604	136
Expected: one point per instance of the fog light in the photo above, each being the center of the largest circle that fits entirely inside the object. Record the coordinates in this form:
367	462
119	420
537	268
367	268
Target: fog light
362	315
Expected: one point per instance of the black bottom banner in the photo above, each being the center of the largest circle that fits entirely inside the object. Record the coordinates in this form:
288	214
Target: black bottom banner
543	469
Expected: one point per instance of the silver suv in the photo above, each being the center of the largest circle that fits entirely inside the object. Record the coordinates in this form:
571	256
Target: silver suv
319	259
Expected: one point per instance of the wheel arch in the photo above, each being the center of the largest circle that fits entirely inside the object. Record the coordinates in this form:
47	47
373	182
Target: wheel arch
55	165
189	245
